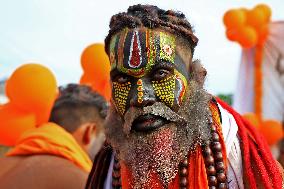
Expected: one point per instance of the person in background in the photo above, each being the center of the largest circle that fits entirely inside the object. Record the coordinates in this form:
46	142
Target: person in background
58	154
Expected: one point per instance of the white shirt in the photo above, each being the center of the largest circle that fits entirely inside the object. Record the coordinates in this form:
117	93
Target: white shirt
234	154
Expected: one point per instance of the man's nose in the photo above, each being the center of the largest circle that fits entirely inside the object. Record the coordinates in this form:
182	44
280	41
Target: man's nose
143	94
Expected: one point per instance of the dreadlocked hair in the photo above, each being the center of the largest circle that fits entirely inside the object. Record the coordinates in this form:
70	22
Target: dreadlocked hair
152	17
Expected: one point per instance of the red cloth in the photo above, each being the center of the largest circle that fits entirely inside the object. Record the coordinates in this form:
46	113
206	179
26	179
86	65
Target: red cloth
260	168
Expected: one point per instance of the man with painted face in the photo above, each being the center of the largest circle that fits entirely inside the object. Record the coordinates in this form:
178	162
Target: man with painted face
163	129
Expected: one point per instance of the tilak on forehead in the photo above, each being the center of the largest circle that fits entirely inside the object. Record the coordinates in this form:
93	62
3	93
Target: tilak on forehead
135	51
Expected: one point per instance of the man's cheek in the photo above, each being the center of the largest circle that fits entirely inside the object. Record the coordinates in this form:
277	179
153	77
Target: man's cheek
171	90
165	90
120	94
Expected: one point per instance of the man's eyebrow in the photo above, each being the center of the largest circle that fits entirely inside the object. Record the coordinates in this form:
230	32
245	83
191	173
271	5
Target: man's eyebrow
161	63
114	72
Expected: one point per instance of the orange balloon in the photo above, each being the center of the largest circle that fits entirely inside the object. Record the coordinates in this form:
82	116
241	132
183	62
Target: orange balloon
103	89
232	34
262	34
107	91
247	37
86	79
13	124
33	88
96	66
95	60
272	131
100	86
256	17
252	119
245	10
234	18
265	10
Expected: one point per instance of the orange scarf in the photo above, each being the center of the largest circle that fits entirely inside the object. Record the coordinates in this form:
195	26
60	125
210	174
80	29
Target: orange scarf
197	176
54	140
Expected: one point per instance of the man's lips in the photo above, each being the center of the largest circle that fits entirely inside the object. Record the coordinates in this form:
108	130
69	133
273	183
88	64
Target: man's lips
148	122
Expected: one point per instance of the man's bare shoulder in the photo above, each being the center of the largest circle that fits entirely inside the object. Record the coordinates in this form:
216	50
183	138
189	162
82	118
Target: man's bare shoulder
43	171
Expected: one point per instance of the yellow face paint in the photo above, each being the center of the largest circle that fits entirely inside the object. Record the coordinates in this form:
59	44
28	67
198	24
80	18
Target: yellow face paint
137	54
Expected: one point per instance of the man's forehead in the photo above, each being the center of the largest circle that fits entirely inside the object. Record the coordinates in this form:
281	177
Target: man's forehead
136	51
145	34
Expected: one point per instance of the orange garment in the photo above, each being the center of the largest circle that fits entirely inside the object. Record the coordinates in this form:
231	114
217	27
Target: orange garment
53	140
197	176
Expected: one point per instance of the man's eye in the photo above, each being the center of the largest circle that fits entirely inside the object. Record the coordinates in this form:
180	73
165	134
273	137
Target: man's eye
161	74
121	79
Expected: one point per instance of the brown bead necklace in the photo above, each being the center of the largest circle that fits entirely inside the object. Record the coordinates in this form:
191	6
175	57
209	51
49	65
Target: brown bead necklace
214	162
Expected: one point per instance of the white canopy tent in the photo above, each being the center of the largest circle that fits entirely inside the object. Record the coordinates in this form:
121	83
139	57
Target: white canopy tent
272	77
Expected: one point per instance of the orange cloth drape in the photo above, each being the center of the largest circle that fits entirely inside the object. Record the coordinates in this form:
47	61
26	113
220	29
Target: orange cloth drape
197	174
197	171
258	81
54	140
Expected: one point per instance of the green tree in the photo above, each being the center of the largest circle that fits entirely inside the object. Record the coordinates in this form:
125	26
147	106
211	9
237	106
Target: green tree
227	98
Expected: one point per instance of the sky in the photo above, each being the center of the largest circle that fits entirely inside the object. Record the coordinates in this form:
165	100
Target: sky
55	32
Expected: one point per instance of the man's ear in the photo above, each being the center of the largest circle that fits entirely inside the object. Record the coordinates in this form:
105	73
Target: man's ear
197	72
89	133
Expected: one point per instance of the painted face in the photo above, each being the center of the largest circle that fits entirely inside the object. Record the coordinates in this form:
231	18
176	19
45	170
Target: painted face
146	67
